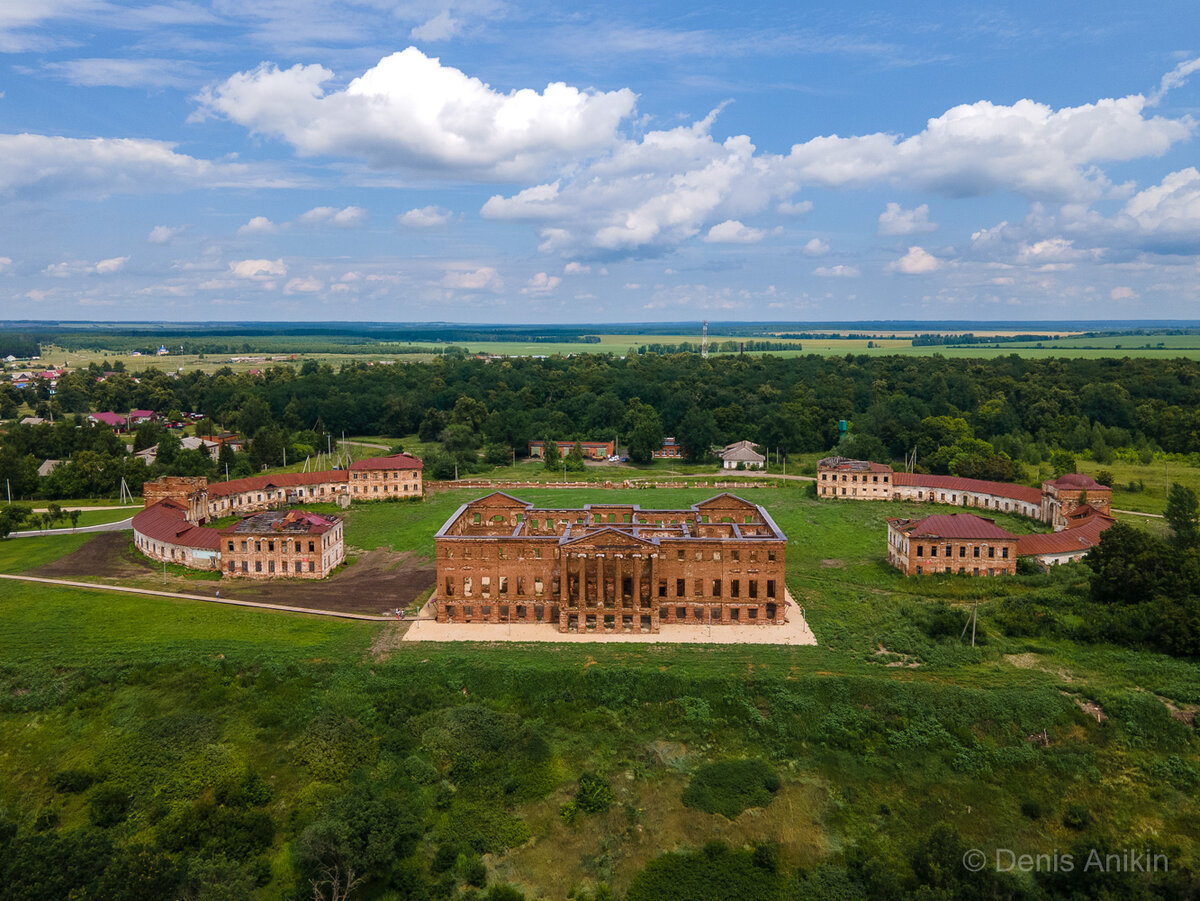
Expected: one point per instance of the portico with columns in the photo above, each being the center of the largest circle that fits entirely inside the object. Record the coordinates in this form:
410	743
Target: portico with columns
610	568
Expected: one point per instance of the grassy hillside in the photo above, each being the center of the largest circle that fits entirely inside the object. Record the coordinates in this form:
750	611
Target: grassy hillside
236	737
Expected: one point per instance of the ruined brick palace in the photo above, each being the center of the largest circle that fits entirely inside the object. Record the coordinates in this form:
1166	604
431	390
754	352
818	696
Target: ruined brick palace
611	567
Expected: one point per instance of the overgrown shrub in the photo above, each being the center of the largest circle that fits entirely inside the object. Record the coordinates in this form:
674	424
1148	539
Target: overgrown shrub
728	787
108	806
72	782
594	795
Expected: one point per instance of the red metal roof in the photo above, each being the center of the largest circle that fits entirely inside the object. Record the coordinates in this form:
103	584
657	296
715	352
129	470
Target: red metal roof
1021	493
1079	537
395	461
113	419
167	522
954	525
1076	480
279	480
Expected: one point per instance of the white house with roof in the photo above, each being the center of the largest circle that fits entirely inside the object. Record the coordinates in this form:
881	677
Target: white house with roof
741	452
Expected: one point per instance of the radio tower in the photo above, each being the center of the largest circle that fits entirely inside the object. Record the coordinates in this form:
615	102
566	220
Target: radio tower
704	340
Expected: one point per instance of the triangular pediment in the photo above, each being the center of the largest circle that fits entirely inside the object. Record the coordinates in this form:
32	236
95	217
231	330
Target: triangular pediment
609	538
726	500
502	500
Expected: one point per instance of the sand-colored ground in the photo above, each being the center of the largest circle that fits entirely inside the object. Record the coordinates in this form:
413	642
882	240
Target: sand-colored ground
795	631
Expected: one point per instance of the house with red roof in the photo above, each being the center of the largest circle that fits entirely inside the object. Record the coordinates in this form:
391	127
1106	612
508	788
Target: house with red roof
951	543
380	478
114	421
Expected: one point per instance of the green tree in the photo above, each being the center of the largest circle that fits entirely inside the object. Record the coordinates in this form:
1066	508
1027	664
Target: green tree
575	458
697	435
552	459
1183	516
645	433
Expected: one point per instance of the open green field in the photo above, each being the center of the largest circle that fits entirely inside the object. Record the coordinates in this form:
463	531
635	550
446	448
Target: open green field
230	733
1153	346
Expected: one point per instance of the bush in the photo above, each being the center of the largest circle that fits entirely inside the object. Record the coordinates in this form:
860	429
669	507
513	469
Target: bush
72	782
595	795
730	786
1077	817
108	806
716	873
1031	809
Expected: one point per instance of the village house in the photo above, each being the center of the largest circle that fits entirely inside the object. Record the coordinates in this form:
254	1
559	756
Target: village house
951	543
670	450
610	567
742	452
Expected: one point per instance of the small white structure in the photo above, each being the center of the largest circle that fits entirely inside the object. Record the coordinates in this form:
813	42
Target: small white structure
742	452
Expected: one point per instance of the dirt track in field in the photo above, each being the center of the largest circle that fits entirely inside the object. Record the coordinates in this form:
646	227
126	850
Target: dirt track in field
378	581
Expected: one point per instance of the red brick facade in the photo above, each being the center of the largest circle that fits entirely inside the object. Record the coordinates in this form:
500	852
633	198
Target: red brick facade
294	545
380	478
955	543
610	567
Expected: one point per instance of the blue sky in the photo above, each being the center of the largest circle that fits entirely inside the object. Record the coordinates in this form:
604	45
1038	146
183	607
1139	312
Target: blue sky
488	161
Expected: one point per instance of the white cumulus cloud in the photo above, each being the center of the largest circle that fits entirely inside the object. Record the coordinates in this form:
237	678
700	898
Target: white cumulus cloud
731	231
895	220
79	267
441	27
347	217
917	261
306	285
576	268
472	279
34	166
979	148
816	248
425	217
163	234
258	270
542	284
259	225
411	112
838	271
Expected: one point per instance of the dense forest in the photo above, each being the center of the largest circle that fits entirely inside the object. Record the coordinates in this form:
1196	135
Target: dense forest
974	418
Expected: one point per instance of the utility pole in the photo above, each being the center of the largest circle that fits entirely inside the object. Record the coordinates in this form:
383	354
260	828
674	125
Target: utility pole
974	620
8	485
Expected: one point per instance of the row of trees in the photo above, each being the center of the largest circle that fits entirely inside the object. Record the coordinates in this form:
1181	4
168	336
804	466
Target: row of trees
975	418
1145	589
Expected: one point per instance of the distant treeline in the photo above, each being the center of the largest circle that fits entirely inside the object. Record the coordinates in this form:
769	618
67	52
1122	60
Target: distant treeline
813	336
931	339
19	344
301	343
721	347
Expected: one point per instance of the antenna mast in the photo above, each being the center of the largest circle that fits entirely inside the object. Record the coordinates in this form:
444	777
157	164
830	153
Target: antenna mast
704	340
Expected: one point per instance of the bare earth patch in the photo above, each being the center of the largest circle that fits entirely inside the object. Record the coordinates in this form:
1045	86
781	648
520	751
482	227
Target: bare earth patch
1034	661
833	563
378	582
1091	708
387	642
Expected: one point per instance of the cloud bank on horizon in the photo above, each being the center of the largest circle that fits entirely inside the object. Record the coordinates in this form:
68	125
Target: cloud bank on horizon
481	161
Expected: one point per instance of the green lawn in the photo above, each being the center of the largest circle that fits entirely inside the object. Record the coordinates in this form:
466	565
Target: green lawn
1153	481
20	554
